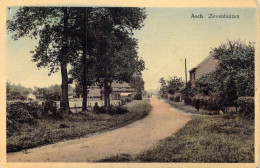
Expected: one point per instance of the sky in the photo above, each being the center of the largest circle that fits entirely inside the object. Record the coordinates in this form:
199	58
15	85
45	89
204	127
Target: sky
168	37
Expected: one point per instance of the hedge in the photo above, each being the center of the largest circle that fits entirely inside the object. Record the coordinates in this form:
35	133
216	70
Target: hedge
19	112
246	106
207	102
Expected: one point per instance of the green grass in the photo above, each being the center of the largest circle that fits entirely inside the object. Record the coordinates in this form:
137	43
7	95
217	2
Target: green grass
189	109
211	139
216	139
48	130
139	106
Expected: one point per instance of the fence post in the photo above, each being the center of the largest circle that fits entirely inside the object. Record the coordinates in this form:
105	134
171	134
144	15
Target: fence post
76	108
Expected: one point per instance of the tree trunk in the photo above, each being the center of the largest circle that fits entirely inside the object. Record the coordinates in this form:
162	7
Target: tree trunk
84	62
64	88
106	94
63	63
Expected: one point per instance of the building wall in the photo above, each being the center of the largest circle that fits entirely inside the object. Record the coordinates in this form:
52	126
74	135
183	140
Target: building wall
207	66
192	78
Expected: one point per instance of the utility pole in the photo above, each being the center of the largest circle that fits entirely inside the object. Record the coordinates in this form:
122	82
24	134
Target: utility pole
186	79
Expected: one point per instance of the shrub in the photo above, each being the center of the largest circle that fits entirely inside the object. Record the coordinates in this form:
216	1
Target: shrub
187	100
138	96
121	110
246	106
19	113
206	102
171	98
22	112
112	110
50	107
128	99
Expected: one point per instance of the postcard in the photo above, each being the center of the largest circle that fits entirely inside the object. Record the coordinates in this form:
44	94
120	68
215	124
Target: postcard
129	84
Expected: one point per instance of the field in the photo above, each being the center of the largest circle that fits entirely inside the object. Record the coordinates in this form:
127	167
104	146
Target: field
47	130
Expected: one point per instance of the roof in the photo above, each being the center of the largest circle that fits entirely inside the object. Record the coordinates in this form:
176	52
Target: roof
120	84
210	55
123	89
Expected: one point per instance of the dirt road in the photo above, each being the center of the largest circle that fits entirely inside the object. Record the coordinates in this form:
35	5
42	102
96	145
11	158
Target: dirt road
132	139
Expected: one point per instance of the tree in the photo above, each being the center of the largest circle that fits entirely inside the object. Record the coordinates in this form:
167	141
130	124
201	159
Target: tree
237	66
82	66
163	85
114	49
138	84
55	27
106	39
174	85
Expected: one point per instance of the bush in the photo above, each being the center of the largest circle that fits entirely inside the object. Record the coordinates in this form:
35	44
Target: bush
206	102
246	106
22	112
112	110
138	96
171	98
128	99
50	107
19	113
187	100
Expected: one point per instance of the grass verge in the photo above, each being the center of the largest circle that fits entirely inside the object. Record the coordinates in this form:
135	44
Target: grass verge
189	109
71	126
217	139
208	139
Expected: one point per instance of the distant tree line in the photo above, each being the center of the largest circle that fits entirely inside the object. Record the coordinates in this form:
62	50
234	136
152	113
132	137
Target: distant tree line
19	92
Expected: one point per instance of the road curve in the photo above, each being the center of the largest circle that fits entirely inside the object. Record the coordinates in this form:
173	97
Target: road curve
139	136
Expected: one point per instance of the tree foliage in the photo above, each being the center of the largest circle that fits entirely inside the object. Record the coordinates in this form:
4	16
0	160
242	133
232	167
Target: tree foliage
174	85
163	88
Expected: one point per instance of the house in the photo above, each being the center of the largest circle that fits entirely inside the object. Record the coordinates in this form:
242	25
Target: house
119	90
208	65
94	92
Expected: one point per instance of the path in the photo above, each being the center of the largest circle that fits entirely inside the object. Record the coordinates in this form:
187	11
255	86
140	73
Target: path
139	136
